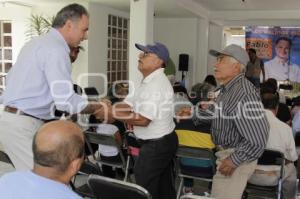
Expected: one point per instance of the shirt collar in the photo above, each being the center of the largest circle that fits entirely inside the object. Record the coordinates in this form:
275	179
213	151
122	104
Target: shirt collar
269	113
152	75
280	62
231	82
59	36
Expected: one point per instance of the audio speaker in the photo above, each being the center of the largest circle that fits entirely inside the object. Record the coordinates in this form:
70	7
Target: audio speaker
183	62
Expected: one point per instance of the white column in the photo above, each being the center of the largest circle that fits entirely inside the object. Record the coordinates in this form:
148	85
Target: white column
141	31
215	42
202	49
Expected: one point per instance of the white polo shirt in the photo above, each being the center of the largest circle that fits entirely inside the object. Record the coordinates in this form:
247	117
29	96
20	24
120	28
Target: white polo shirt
154	100
280	139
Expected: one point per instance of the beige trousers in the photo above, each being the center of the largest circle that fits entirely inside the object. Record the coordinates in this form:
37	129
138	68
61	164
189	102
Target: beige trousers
231	187
16	135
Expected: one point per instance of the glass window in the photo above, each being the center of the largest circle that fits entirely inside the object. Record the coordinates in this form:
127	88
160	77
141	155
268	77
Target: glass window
7	67
7	27
117	49
7	41
7	54
5	51
114	21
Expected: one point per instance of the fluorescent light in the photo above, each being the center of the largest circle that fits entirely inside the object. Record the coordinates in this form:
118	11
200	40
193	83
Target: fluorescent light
234	35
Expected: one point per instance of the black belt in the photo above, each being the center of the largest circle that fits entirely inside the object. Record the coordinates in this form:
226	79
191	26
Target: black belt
19	112
141	141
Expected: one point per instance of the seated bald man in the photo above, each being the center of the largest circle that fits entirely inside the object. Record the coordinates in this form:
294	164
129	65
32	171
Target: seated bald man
58	150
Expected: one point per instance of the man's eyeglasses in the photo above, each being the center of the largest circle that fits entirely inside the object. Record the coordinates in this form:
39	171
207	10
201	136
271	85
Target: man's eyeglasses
146	54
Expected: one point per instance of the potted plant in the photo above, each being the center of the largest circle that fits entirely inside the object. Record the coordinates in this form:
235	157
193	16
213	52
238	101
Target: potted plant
38	25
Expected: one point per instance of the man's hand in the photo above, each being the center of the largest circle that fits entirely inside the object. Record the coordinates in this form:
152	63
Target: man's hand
184	113
227	167
128	127
104	113
106	101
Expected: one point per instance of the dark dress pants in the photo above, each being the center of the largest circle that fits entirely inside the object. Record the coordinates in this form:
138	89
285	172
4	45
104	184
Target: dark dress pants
154	169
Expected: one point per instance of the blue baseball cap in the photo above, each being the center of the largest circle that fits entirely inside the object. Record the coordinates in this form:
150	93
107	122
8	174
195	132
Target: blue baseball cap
158	48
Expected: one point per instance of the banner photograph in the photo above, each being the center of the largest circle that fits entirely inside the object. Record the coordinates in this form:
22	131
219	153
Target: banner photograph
279	48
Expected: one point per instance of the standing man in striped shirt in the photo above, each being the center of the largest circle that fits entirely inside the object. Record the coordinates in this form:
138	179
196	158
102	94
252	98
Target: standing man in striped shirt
239	124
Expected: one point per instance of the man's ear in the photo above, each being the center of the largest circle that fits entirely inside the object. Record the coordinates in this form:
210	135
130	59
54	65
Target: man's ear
68	25
159	62
75	165
237	66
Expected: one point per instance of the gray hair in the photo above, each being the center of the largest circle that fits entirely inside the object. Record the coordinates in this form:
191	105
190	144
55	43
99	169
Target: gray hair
201	92
71	12
242	66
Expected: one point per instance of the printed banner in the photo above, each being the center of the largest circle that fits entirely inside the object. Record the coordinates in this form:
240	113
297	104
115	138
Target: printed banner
279	48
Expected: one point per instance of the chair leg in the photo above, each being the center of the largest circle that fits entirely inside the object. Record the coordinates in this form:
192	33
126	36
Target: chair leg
127	169
296	192
72	186
279	189
179	188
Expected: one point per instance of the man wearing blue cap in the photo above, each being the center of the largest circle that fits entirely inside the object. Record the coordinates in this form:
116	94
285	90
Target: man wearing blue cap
150	112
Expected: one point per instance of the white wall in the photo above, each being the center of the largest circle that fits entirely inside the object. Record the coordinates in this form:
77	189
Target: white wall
180	36
19	16
98	42
215	41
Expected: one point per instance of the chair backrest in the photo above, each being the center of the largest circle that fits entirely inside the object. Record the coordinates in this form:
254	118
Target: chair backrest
89	168
4	158
194	197
195	152
108	188
198	154
271	157
98	138
92	93
108	140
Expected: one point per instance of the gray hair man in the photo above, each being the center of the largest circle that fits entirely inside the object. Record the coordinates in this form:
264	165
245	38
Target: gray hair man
58	152
239	125
40	79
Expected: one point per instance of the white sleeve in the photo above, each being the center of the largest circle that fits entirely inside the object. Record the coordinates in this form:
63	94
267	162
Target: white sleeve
291	147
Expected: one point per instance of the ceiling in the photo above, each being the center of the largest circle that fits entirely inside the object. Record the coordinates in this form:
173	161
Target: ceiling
171	8
225	5
178	8
163	8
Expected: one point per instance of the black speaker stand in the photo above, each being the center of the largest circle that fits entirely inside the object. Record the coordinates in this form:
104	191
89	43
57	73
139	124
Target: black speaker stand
182	76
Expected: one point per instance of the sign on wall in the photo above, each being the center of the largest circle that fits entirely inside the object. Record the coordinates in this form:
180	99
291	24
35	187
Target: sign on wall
279	48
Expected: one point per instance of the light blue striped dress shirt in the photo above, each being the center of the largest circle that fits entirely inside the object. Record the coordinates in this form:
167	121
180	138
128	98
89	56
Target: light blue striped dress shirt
41	77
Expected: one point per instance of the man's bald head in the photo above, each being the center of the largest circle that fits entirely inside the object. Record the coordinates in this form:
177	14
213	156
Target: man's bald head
57	144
